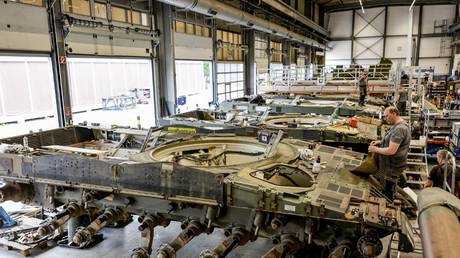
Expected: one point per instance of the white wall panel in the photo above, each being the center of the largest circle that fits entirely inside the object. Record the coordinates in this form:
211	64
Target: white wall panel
15	88
26	88
396	47
194	84
192	47
340	24
338	62
398	20
360	51
431	47
363	29
27	23
27	95
436	12
367	62
441	65
102	77
339	50
92	79
41	86
396	61
456	63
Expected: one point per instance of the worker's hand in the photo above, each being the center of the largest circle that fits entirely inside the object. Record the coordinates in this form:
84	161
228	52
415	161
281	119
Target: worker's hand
372	149
374	143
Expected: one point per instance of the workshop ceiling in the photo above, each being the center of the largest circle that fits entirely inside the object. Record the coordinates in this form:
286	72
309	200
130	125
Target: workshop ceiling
340	5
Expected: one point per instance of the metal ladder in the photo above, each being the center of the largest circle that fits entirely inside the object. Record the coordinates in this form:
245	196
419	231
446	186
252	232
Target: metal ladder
417	169
416	173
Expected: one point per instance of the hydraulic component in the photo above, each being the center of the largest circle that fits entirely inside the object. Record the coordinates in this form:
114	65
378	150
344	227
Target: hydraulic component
237	237
72	210
191	230
288	244
110	216
147	226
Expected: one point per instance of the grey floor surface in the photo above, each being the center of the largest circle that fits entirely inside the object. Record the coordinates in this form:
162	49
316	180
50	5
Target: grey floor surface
120	243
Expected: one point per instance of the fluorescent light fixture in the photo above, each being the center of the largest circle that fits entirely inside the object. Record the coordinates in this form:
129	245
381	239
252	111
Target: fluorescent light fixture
362	8
412	5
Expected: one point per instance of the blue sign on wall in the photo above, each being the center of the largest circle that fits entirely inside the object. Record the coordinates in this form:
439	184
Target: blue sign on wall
181	100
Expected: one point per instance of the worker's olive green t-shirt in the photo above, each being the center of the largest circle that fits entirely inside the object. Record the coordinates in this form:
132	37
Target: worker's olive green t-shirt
392	165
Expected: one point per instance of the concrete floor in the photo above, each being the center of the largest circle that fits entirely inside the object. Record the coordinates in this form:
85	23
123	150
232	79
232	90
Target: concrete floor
120	243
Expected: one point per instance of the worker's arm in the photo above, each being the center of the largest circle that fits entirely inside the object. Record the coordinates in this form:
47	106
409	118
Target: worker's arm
428	183
376	142
390	150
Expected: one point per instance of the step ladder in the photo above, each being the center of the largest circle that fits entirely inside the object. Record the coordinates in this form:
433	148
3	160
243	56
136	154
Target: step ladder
416	172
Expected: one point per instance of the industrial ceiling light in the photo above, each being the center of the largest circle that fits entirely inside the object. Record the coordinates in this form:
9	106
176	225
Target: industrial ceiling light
413	2
361	3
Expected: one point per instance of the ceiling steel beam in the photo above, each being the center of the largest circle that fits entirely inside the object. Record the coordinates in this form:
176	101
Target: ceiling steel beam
288	10
381	3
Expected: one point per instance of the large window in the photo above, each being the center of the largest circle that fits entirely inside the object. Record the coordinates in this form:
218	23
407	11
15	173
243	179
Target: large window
277	50
190	28
27	95
230	48
191	23
193	84
109	91
260	47
119	13
230	80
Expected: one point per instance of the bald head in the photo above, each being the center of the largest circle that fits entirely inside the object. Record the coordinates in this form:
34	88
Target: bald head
392	110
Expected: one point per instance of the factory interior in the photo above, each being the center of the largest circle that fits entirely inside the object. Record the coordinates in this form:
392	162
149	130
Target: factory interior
230	128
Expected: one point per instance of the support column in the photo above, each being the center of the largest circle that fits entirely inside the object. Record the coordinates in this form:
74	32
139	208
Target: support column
385	24
321	15
308	55
419	36
352	36
167	85
307	9
154	66
249	62
269	53
455	46
214	61
59	63
409	38
286	56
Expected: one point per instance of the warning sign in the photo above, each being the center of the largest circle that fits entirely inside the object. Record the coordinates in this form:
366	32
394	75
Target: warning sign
62	59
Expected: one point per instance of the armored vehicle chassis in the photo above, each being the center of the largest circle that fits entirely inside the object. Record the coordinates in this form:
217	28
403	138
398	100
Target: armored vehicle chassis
267	187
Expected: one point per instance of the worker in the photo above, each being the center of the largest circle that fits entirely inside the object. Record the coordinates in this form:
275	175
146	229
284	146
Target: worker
436	175
401	101
449	102
362	82
392	151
